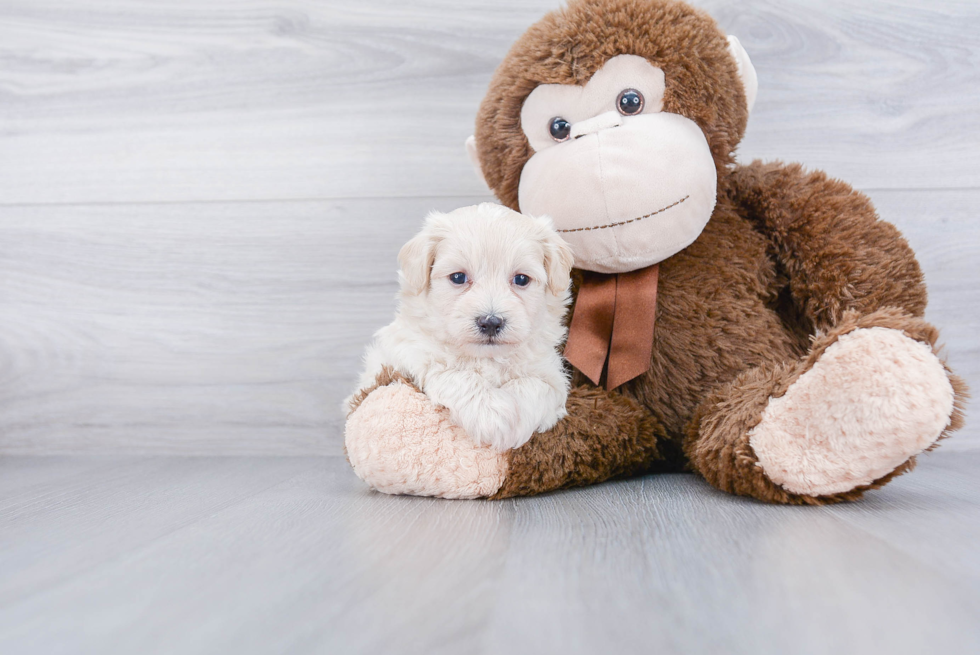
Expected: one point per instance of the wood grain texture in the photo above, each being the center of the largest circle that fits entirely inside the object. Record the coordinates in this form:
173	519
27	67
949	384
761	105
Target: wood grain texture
200	204
135	101
943	230
294	555
237	328
203	329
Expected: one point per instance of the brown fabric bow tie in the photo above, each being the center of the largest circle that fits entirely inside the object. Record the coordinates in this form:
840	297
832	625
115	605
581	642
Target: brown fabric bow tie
612	325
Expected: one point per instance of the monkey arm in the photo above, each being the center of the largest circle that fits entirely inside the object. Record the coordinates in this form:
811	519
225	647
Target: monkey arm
829	242
605	435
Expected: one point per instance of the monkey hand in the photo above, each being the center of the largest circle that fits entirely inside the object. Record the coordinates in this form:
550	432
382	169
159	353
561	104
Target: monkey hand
399	442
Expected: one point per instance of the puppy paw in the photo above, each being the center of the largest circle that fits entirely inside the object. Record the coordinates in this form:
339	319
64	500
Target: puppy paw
495	421
550	419
399	442
538	406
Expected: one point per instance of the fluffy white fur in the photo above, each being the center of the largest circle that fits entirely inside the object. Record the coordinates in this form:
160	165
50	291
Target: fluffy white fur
499	389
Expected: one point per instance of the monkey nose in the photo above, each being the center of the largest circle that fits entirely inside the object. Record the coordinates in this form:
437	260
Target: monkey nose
490	325
596	123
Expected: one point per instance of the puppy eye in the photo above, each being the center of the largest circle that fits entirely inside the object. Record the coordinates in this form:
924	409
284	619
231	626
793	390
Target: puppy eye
458	278
560	129
521	280
629	102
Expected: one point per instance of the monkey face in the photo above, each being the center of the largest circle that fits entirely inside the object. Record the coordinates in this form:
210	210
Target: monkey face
626	183
617	118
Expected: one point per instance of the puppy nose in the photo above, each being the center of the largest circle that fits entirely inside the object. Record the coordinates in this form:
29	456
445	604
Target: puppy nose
490	325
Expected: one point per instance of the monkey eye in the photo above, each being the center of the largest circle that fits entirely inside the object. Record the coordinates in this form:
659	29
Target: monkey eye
458	278
629	102
521	280
559	128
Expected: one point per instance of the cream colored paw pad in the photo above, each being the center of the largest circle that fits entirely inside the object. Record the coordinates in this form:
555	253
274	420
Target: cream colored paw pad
873	399
399	443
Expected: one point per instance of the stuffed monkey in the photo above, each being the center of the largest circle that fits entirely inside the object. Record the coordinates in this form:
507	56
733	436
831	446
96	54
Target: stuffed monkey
756	324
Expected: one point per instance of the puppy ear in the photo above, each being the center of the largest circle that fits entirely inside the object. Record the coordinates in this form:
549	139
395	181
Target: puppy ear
417	257
558	258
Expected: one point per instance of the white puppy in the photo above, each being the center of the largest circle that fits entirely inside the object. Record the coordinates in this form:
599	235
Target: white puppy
483	291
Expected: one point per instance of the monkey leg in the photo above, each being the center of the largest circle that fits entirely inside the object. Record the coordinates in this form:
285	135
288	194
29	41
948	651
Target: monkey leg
400	443
850	416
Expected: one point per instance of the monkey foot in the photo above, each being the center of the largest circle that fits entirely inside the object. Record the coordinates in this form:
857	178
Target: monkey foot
871	401
400	443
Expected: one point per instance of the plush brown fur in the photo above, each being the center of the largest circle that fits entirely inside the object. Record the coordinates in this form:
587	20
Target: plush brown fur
787	253
605	435
841	256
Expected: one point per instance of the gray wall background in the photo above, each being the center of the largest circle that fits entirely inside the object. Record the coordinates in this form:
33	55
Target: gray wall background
200	203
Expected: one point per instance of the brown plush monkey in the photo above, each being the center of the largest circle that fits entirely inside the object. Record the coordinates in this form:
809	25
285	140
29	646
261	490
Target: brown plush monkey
756	324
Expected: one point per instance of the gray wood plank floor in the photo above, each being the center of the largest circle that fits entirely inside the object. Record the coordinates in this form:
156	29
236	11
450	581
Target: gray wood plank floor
294	555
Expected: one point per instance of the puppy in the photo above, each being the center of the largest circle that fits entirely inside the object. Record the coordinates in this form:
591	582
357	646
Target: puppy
483	291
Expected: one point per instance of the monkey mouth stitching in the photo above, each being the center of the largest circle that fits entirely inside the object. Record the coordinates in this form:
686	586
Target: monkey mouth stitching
632	220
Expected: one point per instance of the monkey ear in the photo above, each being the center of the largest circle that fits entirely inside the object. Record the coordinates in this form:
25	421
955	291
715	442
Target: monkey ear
416	257
746	71
558	258
475	158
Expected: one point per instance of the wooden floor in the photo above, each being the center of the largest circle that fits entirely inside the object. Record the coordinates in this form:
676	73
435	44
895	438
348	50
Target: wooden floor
292	555
200	206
